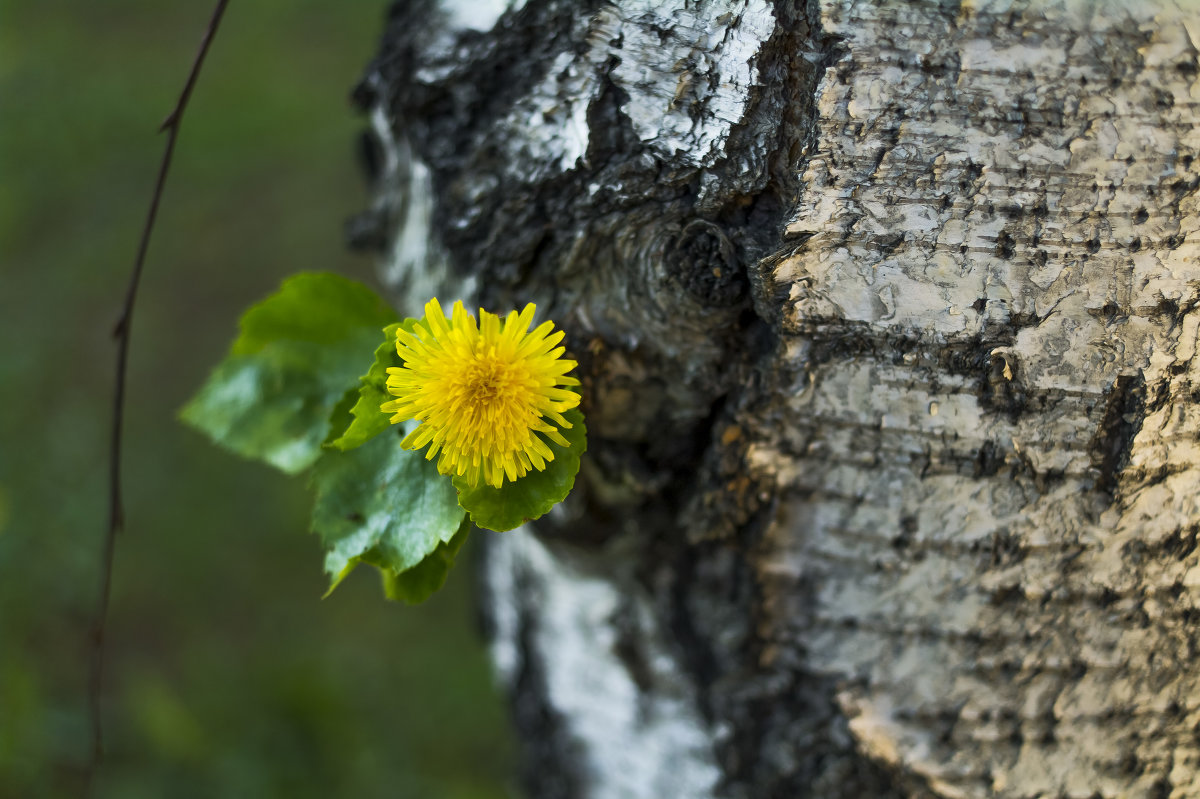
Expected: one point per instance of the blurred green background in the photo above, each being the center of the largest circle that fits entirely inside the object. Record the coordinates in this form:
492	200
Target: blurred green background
226	674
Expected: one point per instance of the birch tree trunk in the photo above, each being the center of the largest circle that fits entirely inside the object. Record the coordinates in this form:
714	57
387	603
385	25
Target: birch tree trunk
886	315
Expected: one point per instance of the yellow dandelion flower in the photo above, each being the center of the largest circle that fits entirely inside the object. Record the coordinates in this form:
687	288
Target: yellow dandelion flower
484	395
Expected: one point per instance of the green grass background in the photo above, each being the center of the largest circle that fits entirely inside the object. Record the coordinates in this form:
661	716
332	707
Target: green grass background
226	674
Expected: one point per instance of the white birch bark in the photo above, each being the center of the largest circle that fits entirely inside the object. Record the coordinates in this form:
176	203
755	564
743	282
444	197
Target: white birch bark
887	319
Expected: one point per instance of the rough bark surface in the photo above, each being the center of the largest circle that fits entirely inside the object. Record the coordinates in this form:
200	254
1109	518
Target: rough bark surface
887	319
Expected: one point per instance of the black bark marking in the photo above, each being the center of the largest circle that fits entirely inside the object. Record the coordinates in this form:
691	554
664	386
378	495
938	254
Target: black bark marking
908	532
610	133
1124	412
890	137
1160	789
368	231
971	174
1005	245
1002	390
890	242
1181	543
628	647
1003	549
369	153
988	461
551	762
699	658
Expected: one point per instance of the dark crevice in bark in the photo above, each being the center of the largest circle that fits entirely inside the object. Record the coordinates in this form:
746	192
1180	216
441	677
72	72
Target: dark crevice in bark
549	755
696	650
1178	545
446	95
367	231
610	135
629	647
788	739
1123	415
788	736
793	61
449	103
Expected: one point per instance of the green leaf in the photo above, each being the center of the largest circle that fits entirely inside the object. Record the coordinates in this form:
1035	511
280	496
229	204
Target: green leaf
415	585
382	505
298	352
422	581
523	500
316	307
340	417
369	421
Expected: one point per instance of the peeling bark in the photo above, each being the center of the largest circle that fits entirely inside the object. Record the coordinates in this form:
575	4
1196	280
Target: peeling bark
886	316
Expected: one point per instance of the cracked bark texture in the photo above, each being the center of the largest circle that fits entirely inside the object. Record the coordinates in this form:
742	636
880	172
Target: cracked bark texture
886	315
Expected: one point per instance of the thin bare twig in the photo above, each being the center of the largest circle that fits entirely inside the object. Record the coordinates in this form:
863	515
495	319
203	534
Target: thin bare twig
116	512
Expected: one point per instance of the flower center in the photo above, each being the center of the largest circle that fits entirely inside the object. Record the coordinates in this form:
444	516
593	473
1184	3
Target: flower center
495	402
485	382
